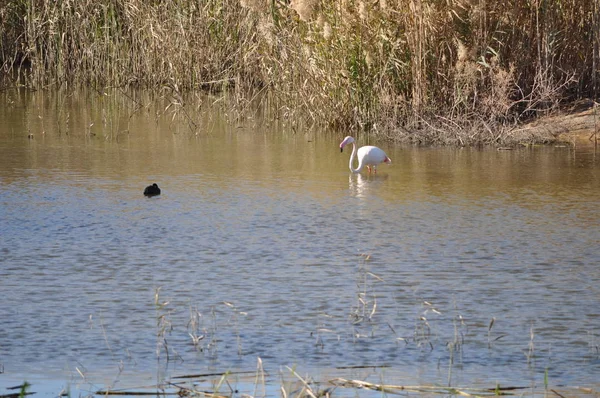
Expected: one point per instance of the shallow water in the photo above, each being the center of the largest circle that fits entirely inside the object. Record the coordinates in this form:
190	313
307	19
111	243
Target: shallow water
263	243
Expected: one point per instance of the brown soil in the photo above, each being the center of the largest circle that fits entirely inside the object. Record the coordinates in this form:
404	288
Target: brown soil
578	125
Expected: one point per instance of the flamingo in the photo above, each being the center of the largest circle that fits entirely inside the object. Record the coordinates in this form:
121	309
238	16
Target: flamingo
152	190
367	156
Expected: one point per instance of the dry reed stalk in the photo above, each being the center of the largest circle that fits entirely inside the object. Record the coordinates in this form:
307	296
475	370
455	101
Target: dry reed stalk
390	388
307	388
260	376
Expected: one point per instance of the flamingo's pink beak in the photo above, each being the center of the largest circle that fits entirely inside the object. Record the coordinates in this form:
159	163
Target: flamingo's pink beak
344	143
387	160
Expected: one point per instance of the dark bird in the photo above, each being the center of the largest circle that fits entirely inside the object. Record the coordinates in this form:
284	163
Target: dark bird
152	190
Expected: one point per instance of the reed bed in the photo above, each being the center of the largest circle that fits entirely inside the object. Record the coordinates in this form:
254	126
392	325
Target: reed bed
458	72
221	385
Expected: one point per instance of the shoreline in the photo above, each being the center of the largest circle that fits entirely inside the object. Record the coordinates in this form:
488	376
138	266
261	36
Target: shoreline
575	127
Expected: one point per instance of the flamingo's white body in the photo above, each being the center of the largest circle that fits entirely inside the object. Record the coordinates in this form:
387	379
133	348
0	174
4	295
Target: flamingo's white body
367	156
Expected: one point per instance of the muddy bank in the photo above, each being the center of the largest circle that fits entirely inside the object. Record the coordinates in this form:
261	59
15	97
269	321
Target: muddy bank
579	125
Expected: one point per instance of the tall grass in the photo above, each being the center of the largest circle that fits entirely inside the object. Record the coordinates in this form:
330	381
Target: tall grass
458	71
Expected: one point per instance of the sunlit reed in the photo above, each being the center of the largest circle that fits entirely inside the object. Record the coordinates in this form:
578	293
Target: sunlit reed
455	72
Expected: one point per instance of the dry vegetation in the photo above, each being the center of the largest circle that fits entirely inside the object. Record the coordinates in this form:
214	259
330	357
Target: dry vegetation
428	71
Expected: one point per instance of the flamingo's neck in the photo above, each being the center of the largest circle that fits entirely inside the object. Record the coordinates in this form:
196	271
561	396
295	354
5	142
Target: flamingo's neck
360	164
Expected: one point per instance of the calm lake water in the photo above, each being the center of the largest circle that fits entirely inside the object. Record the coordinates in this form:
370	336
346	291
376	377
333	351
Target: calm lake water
263	245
